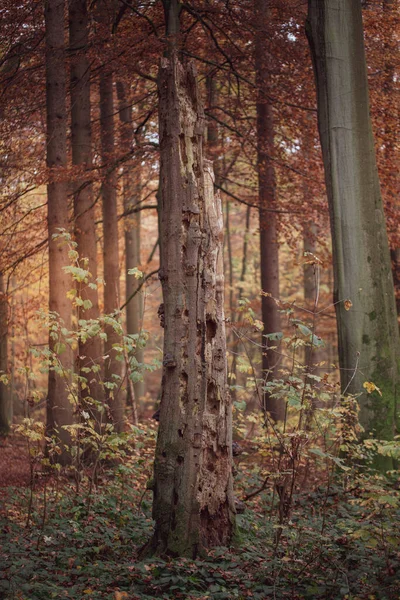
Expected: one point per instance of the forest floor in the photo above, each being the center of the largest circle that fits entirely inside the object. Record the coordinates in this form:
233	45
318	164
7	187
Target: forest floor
14	466
62	537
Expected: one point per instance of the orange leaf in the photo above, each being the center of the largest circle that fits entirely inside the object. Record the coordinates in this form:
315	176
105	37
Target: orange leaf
371	387
348	304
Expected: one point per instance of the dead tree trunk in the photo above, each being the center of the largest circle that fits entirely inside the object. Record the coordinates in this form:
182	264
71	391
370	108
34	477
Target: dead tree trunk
193	498
59	408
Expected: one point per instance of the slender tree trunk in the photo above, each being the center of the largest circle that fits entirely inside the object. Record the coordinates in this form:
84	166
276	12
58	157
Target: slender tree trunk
193	498
309	280
230	257
312	354
311	283
233	372
131	195
228	268
269	244
84	206
16	404
59	407
5	395
112	368
368	333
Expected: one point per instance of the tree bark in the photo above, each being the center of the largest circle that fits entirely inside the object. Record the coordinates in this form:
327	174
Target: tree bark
368	332
59	408
131	196
193	498
232	377
84	207
311	275
269	244
112	367
5	395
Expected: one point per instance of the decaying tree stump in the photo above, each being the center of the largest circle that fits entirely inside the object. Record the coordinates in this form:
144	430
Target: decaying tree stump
193	497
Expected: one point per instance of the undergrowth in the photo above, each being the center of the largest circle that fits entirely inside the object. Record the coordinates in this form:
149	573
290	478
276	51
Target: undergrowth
316	521
342	540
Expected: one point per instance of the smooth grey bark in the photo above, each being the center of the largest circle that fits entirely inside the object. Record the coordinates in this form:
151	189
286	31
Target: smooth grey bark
269	243
84	207
193	497
368	332
112	366
59	408
131	197
5	395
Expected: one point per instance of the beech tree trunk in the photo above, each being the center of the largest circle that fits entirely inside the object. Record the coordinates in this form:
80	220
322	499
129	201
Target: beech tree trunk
193	498
112	370
59	407
84	207
131	195
368	333
5	395
269	244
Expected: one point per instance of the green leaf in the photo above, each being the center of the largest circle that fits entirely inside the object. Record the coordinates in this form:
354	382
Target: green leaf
318	452
59	348
317	341
135	272
304	330
87	304
240	405
274	336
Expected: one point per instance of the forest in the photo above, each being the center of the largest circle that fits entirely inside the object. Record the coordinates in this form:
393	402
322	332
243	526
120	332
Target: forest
199	299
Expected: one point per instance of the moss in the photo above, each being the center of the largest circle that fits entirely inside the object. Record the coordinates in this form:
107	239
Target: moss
383	407
379	416
366	339
372	315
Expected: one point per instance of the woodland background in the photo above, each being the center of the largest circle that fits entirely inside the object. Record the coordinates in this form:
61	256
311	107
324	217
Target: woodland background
336	533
